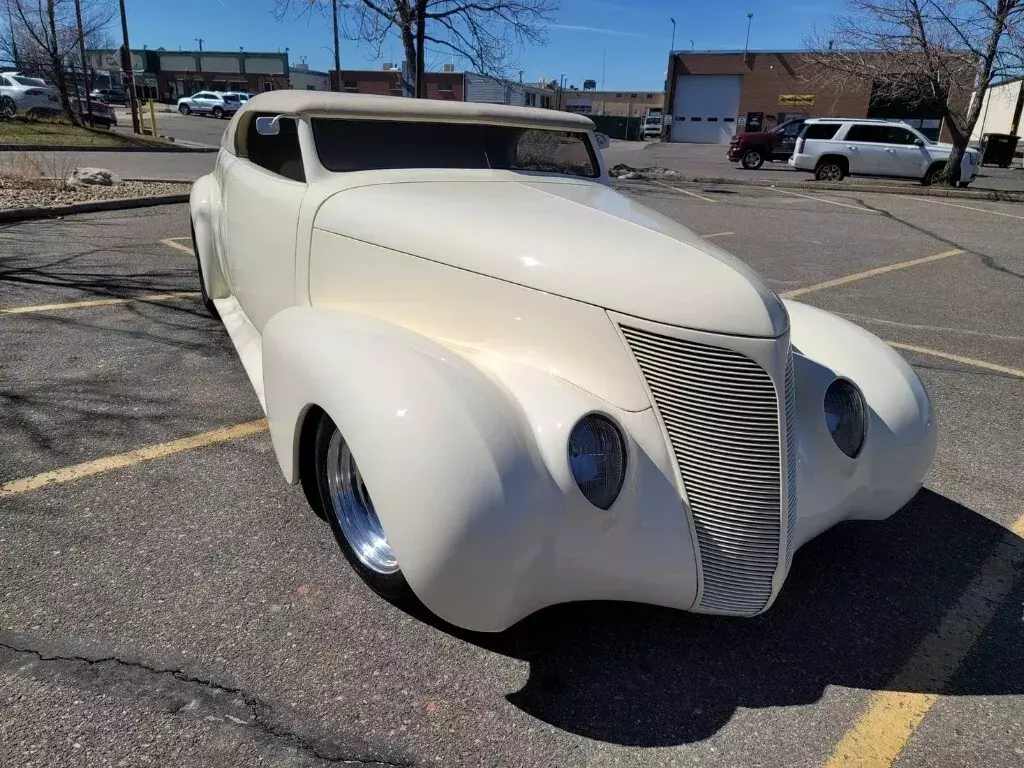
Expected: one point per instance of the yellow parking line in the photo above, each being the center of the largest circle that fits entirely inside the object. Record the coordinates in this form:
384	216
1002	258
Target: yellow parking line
957	358
717	234
886	727
120	460
822	200
869	273
686	192
99	302
958	205
170	243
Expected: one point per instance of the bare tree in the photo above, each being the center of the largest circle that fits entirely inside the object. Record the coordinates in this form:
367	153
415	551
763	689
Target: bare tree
943	52
46	34
486	34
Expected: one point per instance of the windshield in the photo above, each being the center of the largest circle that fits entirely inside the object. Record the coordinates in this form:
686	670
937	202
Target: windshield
34	81
362	145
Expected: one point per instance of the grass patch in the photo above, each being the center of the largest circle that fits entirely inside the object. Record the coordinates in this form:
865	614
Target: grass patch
52	133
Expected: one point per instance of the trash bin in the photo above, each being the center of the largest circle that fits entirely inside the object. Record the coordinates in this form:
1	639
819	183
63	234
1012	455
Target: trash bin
998	149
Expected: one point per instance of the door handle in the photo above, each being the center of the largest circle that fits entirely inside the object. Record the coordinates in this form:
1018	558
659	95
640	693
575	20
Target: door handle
853	149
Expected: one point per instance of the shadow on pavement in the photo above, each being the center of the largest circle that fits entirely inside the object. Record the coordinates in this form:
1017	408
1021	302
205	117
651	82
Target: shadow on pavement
856	605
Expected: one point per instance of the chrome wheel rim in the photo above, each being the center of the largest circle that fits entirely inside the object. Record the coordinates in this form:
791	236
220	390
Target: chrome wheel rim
753	158
830	172
353	509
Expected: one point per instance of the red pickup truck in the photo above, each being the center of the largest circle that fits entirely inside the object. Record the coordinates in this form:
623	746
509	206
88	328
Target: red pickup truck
752	149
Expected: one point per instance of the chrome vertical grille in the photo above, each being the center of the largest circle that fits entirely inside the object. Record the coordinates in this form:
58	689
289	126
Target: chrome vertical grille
721	413
790	460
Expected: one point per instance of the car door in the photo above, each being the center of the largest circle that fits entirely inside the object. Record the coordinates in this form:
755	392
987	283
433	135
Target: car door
865	147
906	158
784	139
201	102
260	218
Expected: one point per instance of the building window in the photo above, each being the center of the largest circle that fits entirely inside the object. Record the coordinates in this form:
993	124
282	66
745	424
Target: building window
351	85
310	87
267	86
632	95
618	95
545	102
650	95
444	86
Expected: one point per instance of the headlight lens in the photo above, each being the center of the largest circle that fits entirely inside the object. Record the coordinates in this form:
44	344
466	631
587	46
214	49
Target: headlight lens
597	459
846	416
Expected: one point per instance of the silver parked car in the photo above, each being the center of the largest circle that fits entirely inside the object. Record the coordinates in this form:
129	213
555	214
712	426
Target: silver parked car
20	95
213	103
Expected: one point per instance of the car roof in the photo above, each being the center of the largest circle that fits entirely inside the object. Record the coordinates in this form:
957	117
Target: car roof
855	120
371	107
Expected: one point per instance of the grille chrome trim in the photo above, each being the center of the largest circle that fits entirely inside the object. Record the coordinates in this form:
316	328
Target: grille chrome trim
720	411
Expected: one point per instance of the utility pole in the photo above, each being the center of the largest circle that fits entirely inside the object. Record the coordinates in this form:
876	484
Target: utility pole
604	63
421	49
746	45
337	43
85	67
200	41
126	71
673	46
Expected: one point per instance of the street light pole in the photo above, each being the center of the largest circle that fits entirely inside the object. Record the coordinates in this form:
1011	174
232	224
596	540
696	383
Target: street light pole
673	46
337	42
746	45
200	41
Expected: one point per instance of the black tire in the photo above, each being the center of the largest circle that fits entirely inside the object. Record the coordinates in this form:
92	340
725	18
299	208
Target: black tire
185	109
829	169
7	106
932	174
391	586
752	159
218	112
964	184
207	301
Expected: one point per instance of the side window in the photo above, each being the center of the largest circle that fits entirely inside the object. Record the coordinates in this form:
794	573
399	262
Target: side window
870	134
553	152
901	136
822	131
793	129
279	154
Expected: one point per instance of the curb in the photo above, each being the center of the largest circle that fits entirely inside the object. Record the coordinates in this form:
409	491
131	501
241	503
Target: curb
92	206
904	189
77	148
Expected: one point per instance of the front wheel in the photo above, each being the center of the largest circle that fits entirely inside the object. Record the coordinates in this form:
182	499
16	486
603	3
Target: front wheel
829	170
184	109
7	106
346	503
752	160
218	112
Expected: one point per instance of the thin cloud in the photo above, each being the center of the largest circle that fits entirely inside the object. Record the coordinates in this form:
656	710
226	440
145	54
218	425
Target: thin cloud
596	30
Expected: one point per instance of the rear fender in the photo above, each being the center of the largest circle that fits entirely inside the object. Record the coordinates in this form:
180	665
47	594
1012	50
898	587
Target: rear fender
203	202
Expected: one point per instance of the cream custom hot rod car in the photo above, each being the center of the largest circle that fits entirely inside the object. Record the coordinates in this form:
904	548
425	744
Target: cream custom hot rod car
508	386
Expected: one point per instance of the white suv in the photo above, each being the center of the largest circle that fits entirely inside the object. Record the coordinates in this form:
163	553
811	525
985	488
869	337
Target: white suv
837	147
20	95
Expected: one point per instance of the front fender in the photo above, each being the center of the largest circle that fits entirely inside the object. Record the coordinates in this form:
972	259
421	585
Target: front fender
901	436
466	462
204	200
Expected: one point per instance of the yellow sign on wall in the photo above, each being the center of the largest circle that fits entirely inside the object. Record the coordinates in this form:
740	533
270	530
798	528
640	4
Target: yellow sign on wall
796	100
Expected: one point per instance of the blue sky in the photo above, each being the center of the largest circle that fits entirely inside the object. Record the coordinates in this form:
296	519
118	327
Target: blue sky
633	35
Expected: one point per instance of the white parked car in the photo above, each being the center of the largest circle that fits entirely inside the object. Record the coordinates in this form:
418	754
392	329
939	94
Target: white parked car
507	386
20	95
212	103
834	148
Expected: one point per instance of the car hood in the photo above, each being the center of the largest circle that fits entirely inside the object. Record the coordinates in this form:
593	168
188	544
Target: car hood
580	241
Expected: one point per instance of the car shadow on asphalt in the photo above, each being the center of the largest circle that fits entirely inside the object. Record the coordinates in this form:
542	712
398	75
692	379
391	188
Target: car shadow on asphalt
858	602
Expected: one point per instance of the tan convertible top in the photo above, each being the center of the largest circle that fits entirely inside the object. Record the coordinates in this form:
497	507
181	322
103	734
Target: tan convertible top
369	107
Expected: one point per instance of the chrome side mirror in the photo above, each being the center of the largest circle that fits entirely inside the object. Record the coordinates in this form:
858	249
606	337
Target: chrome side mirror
919	142
602	140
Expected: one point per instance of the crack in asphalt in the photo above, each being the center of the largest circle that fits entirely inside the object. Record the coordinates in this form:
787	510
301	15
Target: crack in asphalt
259	711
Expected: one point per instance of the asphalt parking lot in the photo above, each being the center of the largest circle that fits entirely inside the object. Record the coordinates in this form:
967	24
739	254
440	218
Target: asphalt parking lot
168	600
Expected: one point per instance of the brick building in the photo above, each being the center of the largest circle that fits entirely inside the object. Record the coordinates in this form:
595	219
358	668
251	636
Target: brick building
168	75
387	81
712	95
631	103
